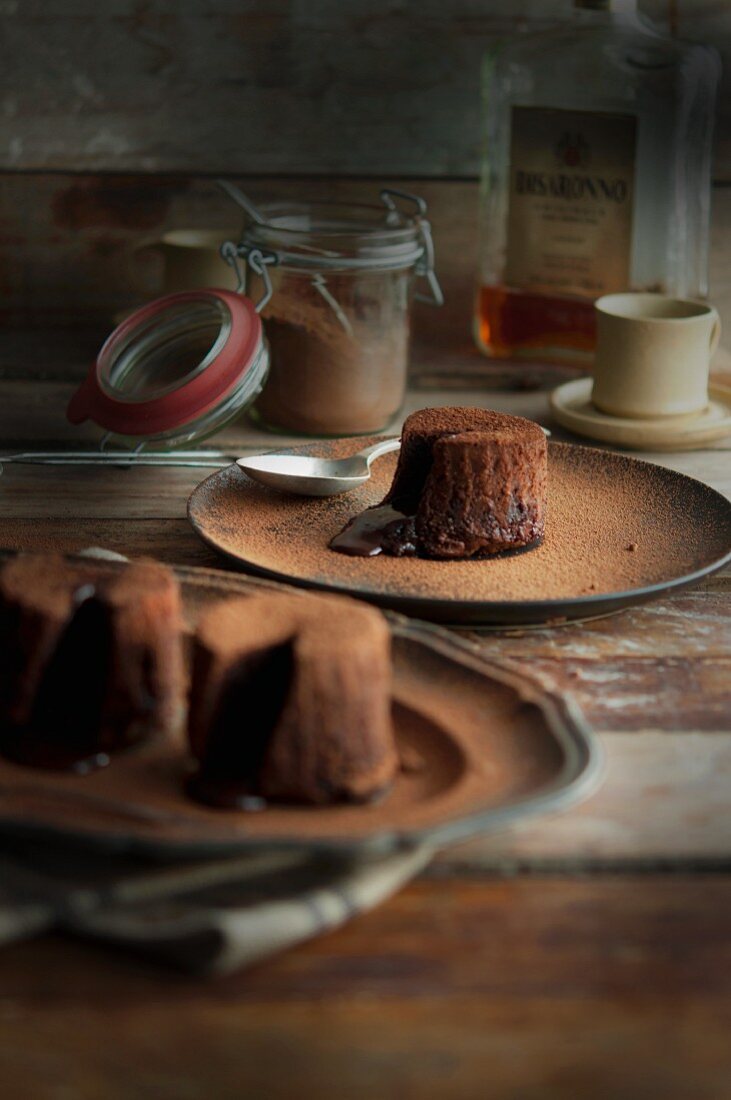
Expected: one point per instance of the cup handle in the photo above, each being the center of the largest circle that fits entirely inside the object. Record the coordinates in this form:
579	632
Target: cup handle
715	334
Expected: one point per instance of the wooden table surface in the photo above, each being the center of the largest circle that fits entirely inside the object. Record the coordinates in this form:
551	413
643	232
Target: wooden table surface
582	955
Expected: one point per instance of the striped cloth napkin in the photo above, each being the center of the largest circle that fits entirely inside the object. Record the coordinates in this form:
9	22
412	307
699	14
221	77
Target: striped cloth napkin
209	917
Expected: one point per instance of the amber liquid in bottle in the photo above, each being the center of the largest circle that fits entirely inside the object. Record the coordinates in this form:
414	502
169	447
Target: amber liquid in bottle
521	324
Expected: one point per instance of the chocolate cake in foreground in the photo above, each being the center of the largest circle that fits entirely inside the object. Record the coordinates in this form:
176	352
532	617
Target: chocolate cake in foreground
92	660
291	701
469	483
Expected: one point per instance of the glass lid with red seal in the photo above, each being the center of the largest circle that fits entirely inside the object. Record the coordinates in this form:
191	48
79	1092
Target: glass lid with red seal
179	368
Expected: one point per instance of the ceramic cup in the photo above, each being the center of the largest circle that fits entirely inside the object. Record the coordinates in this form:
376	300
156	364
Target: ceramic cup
653	355
189	260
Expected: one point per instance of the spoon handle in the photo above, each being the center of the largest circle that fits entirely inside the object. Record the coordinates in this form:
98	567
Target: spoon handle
214	459
378	449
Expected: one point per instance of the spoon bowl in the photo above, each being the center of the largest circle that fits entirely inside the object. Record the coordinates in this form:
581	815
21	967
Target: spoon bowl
314	477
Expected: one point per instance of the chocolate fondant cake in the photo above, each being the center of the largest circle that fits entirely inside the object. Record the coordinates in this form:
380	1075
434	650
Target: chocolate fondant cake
469	483
92	660
290	701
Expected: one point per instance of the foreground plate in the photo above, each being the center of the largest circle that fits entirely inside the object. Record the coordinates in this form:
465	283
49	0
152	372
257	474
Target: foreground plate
485	745
619	532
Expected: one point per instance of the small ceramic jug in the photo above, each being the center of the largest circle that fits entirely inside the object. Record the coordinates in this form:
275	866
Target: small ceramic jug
190	260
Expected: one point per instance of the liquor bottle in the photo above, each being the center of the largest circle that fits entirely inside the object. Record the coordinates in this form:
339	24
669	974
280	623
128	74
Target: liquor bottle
596	179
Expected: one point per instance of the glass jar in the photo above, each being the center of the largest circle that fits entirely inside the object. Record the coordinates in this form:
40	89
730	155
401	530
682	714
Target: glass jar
176	370
339	316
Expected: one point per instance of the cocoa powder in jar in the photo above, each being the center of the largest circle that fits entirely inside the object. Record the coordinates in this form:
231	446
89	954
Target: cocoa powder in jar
338	351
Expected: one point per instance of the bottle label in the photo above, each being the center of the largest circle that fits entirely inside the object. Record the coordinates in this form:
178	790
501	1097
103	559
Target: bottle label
570	200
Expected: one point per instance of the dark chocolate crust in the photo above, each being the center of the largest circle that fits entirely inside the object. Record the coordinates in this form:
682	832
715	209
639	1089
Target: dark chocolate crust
95	654
486	492
475	481
291	699
146	676
421	430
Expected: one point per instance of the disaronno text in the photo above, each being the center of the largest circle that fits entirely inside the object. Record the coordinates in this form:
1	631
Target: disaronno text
563	186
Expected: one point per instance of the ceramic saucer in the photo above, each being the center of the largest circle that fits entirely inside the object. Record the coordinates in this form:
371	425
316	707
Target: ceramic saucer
571	405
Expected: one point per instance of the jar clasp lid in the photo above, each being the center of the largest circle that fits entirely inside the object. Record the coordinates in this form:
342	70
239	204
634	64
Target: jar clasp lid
425	265
257	261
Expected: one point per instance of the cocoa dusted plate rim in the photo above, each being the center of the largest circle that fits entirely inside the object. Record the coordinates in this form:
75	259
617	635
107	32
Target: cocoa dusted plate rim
691	496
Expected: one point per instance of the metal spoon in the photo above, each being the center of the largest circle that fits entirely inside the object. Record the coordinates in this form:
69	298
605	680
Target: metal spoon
315	477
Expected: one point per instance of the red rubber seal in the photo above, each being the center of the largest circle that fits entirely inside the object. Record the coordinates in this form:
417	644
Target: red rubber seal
191	399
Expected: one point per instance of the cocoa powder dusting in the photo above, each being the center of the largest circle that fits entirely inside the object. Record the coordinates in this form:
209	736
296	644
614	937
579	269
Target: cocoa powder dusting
599	504
338	356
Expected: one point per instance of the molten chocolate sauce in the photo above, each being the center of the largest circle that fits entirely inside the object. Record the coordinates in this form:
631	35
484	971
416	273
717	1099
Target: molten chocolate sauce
383	530
378	530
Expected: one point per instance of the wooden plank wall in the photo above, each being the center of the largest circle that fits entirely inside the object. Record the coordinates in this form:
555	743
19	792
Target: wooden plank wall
352	87
115	114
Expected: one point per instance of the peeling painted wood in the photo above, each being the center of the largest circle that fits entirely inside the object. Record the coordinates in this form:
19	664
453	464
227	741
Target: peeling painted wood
691	624
364	88
672	693
663	802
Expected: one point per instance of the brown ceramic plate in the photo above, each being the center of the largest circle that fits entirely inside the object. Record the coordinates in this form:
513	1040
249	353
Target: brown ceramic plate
490	745
619	532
